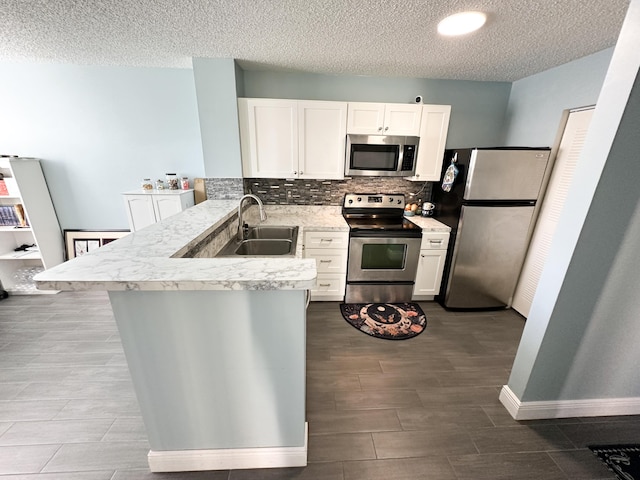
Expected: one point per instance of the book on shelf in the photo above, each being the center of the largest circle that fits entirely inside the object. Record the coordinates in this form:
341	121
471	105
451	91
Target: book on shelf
13	216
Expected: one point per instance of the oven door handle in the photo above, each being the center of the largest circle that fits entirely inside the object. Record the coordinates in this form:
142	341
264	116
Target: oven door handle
359	233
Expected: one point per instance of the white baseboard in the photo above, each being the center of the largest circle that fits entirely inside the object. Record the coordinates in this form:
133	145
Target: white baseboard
228	458
597	407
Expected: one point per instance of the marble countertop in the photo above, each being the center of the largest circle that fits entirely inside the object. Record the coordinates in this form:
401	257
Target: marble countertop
152	258
429	224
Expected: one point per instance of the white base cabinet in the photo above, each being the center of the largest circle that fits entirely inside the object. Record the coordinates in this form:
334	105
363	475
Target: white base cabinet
145	208
433	252
26	186
329	249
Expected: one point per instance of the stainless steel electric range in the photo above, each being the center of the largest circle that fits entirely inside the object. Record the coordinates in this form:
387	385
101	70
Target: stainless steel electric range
384	249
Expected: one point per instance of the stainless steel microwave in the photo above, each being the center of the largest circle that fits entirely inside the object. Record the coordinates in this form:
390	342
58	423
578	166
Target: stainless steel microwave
381	155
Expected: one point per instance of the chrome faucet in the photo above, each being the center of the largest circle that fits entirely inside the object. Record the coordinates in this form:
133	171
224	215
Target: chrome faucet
242	227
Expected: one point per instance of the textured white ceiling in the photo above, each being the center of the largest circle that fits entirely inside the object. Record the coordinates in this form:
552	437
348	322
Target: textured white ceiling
356	37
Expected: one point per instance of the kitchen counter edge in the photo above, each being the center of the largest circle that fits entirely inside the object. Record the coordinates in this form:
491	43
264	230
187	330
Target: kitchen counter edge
149	259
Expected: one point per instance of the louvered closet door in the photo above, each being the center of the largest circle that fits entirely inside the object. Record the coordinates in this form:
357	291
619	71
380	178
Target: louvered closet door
567	158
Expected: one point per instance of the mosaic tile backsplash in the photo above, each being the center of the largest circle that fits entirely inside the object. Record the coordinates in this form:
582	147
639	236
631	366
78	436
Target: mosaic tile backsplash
274	191
329	192
224	188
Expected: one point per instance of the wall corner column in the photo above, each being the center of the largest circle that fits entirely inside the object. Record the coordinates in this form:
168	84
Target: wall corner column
216	81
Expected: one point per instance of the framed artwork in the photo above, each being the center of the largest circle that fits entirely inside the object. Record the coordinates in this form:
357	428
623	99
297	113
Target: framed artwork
79	242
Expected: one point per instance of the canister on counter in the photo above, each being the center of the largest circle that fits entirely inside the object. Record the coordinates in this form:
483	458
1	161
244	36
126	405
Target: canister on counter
185	183
159	184
172	181
147	184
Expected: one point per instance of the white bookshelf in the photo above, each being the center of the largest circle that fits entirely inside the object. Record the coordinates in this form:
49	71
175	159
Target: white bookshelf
26	186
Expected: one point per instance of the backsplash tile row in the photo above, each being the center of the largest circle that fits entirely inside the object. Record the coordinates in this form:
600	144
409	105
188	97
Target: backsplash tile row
224	188
274	191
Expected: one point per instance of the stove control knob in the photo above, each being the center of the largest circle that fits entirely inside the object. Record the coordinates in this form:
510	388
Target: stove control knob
391	199
350	200
399	201
359	199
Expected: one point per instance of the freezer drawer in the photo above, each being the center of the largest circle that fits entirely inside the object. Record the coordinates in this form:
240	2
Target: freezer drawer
487	256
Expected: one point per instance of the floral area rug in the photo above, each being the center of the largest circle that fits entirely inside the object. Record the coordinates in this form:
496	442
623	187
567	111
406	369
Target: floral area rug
392	321
623	460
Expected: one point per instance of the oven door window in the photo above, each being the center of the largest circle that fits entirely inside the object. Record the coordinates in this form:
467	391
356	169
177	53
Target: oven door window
381	256
375	157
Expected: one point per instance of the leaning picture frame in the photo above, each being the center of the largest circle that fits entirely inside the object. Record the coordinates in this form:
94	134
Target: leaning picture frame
80	242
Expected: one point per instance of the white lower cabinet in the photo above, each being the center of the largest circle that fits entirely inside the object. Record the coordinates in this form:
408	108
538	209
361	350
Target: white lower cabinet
144	208
329	249
433	252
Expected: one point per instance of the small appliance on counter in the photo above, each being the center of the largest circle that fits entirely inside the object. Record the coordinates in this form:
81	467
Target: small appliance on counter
384	249
488	197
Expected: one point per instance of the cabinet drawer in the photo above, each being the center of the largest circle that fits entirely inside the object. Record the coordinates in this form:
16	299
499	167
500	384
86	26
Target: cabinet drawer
329	287
326	239
434	241
328	260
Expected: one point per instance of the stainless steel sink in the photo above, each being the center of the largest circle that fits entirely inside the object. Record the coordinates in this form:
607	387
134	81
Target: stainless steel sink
270	232
263	241
263	246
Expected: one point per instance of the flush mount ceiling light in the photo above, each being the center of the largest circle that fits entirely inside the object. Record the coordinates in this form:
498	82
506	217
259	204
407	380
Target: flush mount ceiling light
461	23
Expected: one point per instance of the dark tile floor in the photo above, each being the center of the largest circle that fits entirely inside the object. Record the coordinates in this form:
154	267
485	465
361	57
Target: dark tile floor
425	408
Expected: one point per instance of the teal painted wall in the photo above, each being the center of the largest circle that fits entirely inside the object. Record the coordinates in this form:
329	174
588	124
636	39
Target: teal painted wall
216	369
537	102
99	131
216	89
580	340
478	109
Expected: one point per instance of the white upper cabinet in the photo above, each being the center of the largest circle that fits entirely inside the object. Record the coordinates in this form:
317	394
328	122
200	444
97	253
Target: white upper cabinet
384	119
322	127
269	137
292	139
433	137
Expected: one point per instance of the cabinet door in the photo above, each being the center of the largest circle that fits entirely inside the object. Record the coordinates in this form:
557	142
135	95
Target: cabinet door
321	136
140	211
433	137
401	119
429	275
269	137
365	118
167	205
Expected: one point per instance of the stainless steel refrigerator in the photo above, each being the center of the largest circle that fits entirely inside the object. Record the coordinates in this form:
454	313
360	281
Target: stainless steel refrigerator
489	205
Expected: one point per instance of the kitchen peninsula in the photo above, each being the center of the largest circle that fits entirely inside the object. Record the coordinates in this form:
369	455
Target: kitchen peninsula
215	346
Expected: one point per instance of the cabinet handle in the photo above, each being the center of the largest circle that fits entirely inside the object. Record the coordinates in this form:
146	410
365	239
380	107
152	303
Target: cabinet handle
386	128
326	239
437	242
379	129
326	261
324	284
295	173
301	172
